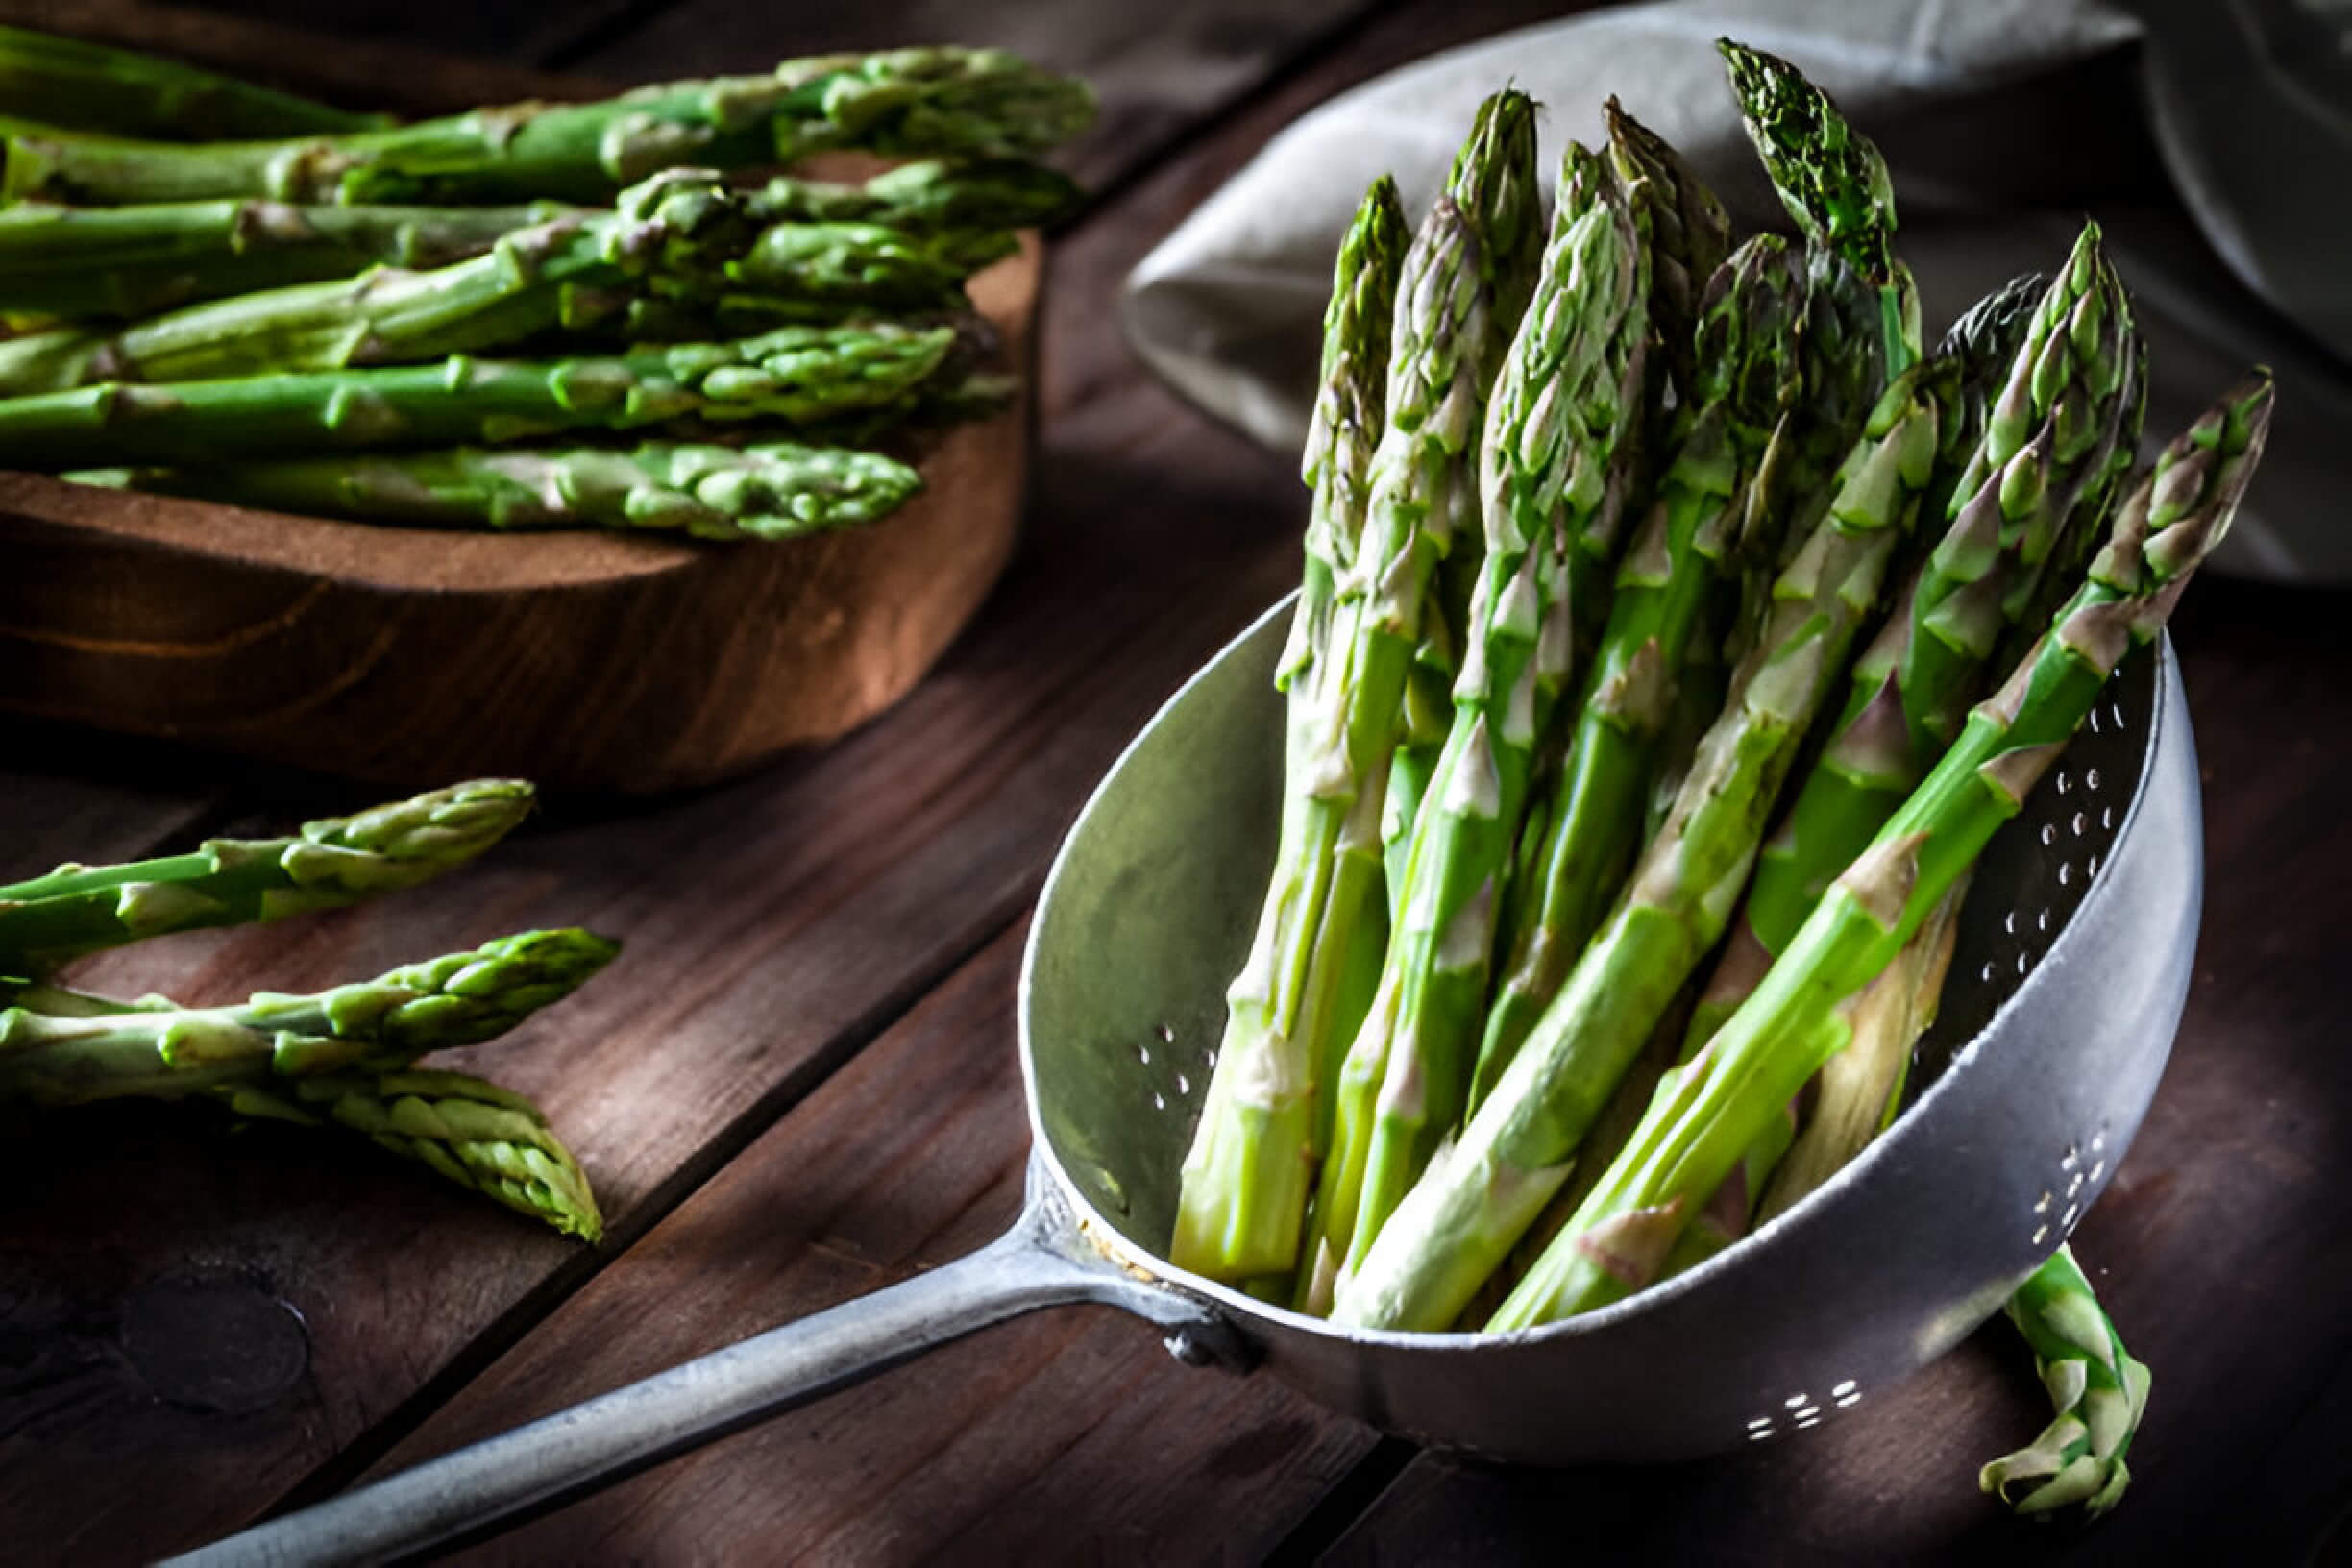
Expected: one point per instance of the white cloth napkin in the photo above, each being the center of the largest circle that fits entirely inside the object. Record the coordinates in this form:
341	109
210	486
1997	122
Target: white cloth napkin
2217	159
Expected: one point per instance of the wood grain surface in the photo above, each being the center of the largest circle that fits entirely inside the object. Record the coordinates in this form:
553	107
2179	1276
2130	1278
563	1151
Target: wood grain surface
797	1083
979	1453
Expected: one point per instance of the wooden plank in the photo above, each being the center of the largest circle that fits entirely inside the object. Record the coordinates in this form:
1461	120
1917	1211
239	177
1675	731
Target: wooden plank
2221	1247
1067	1436
1155	77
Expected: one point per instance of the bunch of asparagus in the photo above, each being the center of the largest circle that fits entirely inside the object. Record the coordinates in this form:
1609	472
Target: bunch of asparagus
339	1058
1758	617
530	316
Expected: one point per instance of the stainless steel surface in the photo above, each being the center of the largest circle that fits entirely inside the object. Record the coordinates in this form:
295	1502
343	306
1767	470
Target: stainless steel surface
2067	986
2072	963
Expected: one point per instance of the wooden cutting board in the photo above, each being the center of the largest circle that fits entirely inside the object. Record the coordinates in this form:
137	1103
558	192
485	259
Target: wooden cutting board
412	657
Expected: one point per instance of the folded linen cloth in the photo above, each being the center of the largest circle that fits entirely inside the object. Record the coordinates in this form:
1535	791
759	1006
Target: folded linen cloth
2215	163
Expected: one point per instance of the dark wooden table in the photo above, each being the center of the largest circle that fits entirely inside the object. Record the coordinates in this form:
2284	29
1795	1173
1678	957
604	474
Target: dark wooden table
798	1083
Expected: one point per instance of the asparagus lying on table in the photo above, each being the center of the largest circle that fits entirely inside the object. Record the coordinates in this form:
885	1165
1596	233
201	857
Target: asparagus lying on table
485	1138
2098	1392
1280	1008
1556	469
1458	1224
793	375
1714	1107
157	1052
119	93
762	490
946	101
325	864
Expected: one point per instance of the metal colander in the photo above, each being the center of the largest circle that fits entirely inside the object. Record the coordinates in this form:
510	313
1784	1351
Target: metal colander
2072	962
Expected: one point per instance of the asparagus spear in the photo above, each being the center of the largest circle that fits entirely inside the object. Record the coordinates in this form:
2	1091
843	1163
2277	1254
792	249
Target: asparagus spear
1555	468
1703	526
1454	1228
931	197
769	490
1281	1006
570	271
485	1138
137	260
1718	1102
979	102
2047	437
380	1024
325	865
1833	183
1245	1176
1985	340
799	375
1859	1090
119	93
1494	184
1502	195
2099	1394
1690	235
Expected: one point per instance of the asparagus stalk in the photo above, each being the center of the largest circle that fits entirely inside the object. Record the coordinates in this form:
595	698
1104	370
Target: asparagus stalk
1690	235
1703	523
1235	1201
769	490
2098	1392
1555	468
1456	1226
119	93
1833	183
485	1138
138	260
325	865
1985	340
1859	1090
799	375
1496	185
2046	438
1280	1008
1717	1104
378	1025
948	102
571	271
1500	194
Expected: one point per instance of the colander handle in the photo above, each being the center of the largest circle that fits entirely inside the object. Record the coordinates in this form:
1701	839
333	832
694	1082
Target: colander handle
1040	1261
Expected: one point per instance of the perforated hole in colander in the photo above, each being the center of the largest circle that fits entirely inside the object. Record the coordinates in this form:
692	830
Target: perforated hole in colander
2039	869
